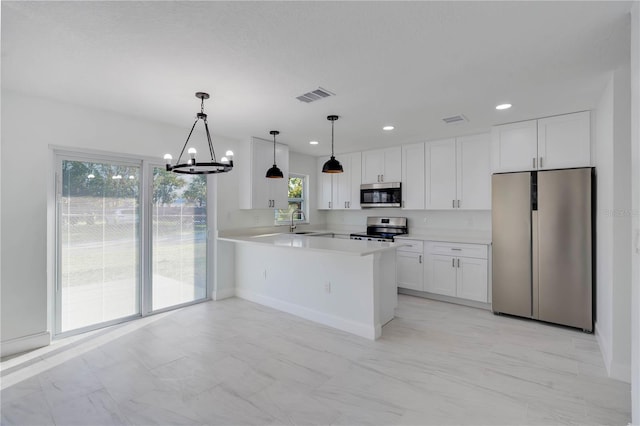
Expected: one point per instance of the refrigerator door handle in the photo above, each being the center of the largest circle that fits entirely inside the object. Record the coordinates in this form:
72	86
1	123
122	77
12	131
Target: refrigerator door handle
453	262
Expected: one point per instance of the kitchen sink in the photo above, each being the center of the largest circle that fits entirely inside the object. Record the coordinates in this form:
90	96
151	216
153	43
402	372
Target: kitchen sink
315	233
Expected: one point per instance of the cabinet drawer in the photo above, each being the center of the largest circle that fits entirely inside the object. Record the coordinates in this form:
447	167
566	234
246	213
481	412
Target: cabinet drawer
454	249
415	246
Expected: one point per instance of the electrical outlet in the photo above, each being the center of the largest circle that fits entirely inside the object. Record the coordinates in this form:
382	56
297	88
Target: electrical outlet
327	287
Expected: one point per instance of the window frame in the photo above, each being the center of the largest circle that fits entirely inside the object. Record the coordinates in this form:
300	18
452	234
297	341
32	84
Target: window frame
304	200
146	164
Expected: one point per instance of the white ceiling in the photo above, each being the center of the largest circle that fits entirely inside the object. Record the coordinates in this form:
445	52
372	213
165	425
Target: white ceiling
403	63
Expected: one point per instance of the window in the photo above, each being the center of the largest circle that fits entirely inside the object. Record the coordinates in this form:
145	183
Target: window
297	201
131	239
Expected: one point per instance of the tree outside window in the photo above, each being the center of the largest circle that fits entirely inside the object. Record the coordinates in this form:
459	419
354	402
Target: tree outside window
297	200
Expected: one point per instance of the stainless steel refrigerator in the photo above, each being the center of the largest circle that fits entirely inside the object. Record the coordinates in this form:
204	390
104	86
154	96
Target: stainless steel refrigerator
542	225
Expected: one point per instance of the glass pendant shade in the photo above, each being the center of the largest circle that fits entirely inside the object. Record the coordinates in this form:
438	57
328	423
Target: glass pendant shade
274	172
332	165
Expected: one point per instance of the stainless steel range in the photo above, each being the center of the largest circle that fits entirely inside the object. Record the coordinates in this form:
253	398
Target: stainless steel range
383	229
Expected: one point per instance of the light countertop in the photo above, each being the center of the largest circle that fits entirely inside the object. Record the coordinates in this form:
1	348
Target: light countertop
470	237
315	243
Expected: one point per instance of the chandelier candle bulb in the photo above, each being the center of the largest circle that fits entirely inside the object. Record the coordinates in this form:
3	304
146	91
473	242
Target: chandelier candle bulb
168	158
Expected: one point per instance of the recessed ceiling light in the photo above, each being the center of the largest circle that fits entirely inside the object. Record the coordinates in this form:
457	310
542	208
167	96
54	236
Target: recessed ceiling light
388	128
503	106
313	142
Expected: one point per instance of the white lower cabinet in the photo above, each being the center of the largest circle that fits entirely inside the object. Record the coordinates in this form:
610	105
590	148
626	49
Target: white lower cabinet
456	270
471	280
440	272
409	265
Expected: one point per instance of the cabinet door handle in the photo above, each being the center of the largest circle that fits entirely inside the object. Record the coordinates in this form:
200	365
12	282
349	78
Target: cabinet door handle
458	203
534	162
540	162
402	203
420	259
329	204
456	249
453	262
381	178
348	204
458	262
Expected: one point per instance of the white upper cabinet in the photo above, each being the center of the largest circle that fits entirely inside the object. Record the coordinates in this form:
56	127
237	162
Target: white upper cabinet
458	173
514	147
440	161
348	183
340	191
473	172
413	176
547	143
564	141
258	192
324	188
382	165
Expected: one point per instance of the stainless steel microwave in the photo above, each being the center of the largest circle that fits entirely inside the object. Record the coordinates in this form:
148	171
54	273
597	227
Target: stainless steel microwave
386	194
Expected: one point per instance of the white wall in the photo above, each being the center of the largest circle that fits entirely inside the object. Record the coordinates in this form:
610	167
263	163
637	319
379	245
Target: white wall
635	187
613	225
29	126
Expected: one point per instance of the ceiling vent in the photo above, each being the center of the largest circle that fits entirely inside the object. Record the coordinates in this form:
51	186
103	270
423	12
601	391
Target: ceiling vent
454	119
315	95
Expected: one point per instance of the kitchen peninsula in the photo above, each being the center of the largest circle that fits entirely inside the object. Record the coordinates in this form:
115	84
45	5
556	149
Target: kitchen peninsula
346	284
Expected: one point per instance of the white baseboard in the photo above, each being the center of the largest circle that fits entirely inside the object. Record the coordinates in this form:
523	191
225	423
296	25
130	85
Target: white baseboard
604	344
224	293
620	372
23	344
615	370
371	332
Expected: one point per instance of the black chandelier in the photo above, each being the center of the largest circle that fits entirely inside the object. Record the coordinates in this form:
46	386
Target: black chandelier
192	167
332	165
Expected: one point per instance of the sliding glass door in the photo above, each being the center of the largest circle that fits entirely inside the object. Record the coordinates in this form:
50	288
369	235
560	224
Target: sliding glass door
131	240
99	243
179	236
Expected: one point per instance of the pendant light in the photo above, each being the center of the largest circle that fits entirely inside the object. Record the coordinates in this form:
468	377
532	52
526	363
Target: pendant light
332	165
193	167
274	172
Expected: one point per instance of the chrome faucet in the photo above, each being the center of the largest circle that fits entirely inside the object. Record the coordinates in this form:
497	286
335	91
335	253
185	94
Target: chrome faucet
292	227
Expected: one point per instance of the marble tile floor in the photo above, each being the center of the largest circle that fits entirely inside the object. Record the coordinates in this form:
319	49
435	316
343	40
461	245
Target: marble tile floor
233	362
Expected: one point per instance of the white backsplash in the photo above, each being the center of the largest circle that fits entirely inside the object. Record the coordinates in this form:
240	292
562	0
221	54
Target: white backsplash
418	220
